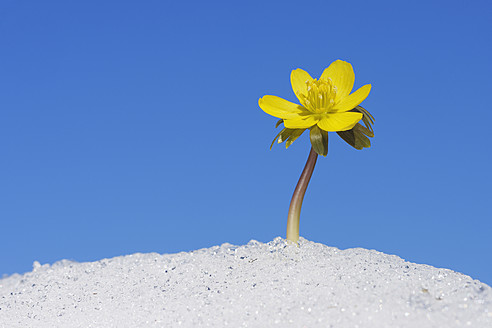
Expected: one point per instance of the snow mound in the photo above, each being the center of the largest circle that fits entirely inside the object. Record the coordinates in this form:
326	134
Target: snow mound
255	285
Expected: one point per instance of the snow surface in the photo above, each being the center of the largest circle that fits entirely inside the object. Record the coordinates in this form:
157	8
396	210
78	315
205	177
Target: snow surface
256	285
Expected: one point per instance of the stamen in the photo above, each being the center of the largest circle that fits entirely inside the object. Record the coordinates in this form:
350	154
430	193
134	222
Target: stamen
320	95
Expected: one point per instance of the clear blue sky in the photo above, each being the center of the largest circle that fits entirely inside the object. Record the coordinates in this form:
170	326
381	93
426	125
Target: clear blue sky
134	126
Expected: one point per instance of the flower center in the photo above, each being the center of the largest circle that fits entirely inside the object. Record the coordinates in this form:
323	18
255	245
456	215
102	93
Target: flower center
320	96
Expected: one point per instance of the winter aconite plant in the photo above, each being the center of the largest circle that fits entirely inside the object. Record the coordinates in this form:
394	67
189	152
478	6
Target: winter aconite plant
327	105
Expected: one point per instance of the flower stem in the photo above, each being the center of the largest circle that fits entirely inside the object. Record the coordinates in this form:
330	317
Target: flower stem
296	202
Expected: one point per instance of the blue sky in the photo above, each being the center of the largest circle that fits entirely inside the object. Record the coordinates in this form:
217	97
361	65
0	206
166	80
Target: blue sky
133	126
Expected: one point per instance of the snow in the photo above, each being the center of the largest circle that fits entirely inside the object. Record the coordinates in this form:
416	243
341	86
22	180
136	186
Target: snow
255	285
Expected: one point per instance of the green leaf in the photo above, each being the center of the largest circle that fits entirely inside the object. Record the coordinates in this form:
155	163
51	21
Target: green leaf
285	134
275	139
349	137
356	137
367	119
295	134
319	140
365	112
361	139
365	130
289	135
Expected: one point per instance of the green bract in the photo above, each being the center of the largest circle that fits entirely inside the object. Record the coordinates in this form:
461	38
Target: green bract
357	137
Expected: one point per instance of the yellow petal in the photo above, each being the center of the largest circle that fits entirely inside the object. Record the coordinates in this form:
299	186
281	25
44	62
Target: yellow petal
339	121
279	107
353	100
305	122
298	79
342	75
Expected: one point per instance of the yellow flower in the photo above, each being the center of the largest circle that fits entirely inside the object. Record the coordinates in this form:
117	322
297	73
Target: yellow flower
325	102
